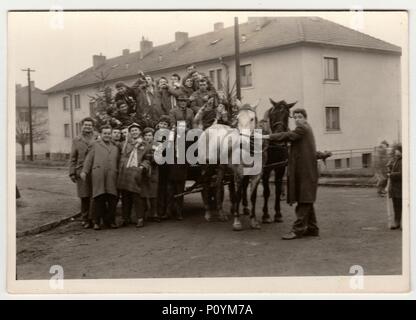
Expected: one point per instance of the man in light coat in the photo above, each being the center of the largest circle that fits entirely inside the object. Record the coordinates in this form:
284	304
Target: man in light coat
102	163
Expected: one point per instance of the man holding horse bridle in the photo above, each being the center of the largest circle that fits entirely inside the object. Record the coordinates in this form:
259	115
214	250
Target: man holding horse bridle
302	175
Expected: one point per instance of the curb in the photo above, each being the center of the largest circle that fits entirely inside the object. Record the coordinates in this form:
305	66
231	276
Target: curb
328	184
47	226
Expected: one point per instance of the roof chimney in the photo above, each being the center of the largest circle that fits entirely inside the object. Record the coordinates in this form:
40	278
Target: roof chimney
180	39
145	47
126	52
98	60
218	26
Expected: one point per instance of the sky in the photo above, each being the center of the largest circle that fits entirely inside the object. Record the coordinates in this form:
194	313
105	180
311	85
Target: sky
59	45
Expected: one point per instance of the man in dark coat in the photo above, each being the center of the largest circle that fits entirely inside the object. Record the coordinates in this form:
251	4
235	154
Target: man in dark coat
102	163
163	97
302	175
181	113
395	191
80	147
200	97
127	95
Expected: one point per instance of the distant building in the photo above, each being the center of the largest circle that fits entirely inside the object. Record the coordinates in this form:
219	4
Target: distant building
349	82
39	102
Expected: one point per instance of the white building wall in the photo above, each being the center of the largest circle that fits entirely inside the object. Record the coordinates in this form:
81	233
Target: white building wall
368	94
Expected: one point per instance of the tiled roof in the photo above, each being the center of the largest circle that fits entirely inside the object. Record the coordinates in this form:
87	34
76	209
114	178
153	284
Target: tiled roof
277	32
38	97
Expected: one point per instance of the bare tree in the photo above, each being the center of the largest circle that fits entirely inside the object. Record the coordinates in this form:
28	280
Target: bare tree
39	131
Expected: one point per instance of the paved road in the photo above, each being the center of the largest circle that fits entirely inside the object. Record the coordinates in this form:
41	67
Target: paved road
353	231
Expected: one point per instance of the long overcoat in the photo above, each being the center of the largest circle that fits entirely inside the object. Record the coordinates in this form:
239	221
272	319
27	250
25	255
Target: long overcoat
130	179
302	166
102	163
79	150
395	167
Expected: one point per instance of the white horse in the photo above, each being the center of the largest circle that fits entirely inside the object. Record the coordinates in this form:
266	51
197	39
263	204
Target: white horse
221	145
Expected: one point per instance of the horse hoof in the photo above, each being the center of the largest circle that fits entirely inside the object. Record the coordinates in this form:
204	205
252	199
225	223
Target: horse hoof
208	216
254	224
237	226
246	211
267	220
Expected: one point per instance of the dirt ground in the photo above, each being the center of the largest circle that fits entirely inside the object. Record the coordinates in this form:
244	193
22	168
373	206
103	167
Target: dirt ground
353	223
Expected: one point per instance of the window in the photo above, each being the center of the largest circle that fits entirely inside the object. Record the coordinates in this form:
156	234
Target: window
219	79
245	76
366	160
92	108
331	69
332	119
348	162
338	164
216	78
65	103
24	116
77	101
78	128
66	130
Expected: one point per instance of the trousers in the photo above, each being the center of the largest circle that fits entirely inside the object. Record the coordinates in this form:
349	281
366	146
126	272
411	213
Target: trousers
105	208
305	219
131	201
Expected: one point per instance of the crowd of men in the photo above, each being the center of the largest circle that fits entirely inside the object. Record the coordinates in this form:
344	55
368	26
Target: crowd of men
118	161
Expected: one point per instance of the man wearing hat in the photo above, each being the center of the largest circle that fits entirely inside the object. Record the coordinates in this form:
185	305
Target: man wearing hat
181	112
134	163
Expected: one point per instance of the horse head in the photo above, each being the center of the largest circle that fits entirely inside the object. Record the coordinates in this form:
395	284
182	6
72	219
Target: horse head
247	118
278	115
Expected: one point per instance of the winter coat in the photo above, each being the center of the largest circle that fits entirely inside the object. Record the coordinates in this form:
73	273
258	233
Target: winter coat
395	169
79	150
102	163
164	101
178	114
302	166
130	179
199	98
151	179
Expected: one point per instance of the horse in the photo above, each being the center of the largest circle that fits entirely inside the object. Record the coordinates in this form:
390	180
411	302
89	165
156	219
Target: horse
277	119
231	140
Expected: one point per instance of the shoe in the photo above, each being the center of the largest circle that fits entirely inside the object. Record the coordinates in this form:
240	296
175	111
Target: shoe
290	236
113	226
87	225
179	217
140	223
97	227
310	233
394	227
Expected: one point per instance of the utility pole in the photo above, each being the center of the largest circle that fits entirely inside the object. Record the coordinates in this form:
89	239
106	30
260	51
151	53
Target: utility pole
29	93
237	58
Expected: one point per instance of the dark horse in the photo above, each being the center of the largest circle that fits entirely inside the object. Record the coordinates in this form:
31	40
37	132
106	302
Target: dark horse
277	119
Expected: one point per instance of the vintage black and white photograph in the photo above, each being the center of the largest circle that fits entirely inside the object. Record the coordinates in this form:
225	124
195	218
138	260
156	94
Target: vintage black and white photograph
208	146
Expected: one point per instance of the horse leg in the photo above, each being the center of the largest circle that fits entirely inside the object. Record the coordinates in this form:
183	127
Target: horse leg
246	210
279	172
237	225
254	183
266	194
219	194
